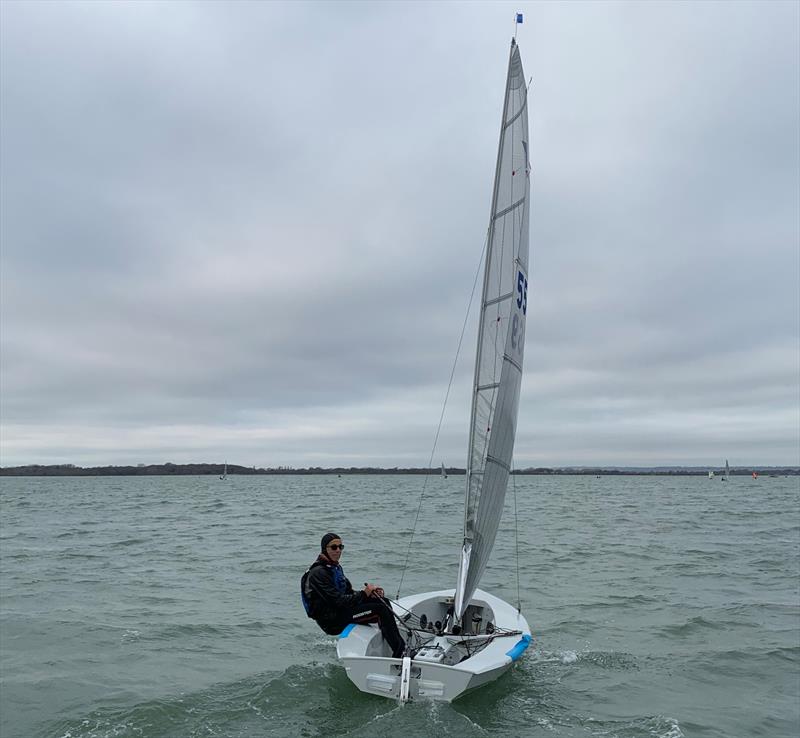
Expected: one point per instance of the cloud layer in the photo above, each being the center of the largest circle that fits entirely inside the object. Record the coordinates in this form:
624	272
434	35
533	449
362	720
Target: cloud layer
250	231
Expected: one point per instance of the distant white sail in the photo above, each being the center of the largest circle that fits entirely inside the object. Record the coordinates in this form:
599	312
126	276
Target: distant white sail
501	340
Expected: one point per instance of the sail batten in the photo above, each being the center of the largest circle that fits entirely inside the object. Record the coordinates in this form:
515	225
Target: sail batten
499	299
517	204
501	337
522	110
515	364
499	462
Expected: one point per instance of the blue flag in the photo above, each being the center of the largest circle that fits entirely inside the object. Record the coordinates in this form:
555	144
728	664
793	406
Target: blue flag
519	17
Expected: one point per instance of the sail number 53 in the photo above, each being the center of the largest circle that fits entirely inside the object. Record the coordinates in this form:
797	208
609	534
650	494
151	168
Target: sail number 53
517	325
522	293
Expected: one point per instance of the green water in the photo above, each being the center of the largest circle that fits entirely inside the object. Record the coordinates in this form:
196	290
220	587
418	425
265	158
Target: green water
169	606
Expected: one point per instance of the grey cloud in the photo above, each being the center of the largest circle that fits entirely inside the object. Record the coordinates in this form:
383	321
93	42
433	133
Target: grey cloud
254	227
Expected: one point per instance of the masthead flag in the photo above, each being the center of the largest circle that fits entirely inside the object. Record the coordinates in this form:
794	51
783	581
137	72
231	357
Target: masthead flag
519	17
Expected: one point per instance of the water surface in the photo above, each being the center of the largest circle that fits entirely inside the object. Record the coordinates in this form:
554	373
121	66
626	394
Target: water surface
169	606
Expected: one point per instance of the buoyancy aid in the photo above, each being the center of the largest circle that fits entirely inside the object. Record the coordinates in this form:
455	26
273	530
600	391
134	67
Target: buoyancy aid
307	595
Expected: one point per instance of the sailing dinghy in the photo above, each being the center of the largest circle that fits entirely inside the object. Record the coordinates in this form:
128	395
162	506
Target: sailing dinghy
461	638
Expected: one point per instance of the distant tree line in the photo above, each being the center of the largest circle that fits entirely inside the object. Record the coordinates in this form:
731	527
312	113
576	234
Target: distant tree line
142	470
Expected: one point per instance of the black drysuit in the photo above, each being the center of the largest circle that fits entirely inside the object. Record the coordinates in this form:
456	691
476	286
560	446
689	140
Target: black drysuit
334	604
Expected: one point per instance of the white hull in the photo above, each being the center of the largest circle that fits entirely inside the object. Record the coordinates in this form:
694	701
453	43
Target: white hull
439	668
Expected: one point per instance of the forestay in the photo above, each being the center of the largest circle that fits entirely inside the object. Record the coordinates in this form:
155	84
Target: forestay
501	340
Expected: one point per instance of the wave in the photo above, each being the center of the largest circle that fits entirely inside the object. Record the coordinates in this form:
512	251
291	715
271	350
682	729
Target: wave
80	555
657	726
746	657
309	700
692	625
74	532
177	631
617	601
617	660
129	542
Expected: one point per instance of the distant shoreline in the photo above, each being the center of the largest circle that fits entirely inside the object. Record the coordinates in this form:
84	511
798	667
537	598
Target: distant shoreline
70	470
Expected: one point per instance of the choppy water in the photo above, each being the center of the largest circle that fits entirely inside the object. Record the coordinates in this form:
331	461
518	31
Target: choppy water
168	606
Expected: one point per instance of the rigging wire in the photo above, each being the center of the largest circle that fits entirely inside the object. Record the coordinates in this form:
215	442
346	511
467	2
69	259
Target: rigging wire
513	476
441	416
516	536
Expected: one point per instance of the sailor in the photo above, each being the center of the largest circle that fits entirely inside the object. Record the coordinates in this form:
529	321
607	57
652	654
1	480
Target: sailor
329	598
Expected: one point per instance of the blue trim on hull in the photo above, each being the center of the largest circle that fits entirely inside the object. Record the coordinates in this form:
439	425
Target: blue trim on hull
519	649
346	631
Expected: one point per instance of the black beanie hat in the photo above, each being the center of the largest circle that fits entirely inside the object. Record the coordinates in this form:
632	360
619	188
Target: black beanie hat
326	539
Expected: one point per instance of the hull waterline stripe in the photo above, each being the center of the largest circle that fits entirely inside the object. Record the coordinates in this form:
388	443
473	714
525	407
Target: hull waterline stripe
519	649
346	631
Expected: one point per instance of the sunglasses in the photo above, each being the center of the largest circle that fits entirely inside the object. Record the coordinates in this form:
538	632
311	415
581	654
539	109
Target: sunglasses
336	547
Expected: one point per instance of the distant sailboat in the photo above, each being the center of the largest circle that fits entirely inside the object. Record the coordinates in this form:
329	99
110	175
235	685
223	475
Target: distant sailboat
225	472
727	471
444	473
711	475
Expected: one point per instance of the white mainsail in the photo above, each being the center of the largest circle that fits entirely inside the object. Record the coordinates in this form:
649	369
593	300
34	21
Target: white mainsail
501	340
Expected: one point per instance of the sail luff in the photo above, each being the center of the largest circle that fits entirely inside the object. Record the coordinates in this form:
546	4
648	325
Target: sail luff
466	546
490	235
498	362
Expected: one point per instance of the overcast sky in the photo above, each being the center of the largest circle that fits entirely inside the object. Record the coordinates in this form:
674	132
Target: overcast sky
249	231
